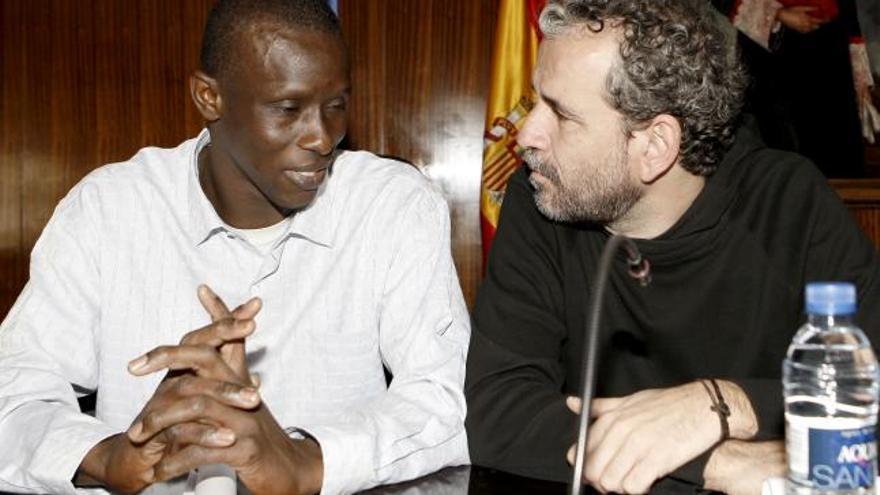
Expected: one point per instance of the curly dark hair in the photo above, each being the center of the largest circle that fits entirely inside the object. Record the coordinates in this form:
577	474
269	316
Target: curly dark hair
675	60
228	18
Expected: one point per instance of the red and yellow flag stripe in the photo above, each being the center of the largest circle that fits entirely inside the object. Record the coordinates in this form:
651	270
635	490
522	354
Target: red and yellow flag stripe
510	99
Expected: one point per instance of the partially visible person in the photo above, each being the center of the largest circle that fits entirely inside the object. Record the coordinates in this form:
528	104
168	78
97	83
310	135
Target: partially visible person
765	102
326	267
869	21
819	70
634	133
826	76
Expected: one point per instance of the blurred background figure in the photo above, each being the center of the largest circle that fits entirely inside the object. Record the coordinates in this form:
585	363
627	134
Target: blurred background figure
811	90
869	21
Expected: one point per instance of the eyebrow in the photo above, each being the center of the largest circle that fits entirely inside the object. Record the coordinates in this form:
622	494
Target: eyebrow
300	93
558	107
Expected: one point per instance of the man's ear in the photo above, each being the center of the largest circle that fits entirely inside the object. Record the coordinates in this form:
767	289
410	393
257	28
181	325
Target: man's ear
661	152
205	93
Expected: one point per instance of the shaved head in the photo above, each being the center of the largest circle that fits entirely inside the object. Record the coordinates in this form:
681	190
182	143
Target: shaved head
229	19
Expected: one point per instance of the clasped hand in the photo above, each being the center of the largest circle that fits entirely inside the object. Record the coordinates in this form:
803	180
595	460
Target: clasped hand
207	410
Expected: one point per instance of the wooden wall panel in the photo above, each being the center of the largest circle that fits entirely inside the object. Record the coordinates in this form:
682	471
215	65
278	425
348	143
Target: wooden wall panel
83	84
12	262
868	217
862	197
421	79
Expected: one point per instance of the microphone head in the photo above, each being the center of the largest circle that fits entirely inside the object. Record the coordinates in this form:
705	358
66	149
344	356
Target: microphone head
640	269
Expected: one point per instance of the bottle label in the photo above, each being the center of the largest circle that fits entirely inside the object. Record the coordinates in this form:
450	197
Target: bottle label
831	453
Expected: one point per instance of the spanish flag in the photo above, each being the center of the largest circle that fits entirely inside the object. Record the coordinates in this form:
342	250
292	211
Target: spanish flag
510	99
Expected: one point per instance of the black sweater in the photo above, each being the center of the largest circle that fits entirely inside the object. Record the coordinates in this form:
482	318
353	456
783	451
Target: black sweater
725	300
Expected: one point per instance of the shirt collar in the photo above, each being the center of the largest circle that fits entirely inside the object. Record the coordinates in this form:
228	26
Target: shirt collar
204	220
317	222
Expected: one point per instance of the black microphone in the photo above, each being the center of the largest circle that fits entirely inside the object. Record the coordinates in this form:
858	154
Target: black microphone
639	269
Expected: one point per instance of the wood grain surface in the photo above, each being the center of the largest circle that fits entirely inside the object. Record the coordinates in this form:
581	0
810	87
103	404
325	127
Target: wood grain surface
85	83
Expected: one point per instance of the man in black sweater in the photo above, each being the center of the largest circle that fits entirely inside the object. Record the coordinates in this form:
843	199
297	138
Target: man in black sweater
633	133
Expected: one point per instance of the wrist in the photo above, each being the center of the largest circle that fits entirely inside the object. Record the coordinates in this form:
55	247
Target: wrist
727	409
310	462
720	464
736	466
743	421
92	470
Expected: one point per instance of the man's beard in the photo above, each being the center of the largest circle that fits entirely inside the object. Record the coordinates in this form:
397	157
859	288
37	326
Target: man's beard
601	194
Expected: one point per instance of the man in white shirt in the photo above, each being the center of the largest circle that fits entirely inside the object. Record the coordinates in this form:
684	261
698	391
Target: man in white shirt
338	263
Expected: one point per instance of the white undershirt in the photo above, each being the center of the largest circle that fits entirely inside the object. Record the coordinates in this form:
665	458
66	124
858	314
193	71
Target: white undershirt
264	239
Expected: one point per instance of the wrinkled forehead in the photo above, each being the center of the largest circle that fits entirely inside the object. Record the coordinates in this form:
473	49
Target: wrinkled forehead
270	48
279	63
576	58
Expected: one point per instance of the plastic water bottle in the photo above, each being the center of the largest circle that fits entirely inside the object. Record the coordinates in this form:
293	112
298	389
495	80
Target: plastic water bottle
830	384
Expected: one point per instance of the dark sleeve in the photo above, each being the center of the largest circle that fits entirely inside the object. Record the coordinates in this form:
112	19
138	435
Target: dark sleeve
836	250
517	419
840	251
850	17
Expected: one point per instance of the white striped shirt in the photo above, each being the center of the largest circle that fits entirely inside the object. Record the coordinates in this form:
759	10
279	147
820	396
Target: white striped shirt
363	277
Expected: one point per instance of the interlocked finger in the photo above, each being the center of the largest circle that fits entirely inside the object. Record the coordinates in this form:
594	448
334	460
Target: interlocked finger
181	435
203	361
231	394
218	309
231	349
220	332
197	409
189	458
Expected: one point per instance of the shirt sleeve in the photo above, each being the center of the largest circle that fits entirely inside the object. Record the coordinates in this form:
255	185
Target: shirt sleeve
417	427
47	358
517	419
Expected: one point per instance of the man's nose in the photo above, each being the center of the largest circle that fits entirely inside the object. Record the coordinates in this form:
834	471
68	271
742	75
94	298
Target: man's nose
315	136
533	133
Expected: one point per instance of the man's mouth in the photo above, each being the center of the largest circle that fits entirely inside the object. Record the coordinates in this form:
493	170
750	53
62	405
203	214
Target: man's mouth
307	181
538	172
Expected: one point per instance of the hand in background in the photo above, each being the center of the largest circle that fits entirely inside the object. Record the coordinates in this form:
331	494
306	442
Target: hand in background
638	439
740	468
800	18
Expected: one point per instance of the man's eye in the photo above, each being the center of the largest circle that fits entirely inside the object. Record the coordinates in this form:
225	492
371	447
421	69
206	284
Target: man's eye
285	107
337	106
562	117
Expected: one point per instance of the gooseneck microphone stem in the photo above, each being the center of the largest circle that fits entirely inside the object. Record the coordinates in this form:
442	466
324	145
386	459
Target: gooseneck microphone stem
638	269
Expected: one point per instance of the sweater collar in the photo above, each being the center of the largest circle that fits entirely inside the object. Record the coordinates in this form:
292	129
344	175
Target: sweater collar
711	206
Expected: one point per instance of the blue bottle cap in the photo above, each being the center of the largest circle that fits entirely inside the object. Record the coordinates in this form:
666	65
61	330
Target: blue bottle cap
831	298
